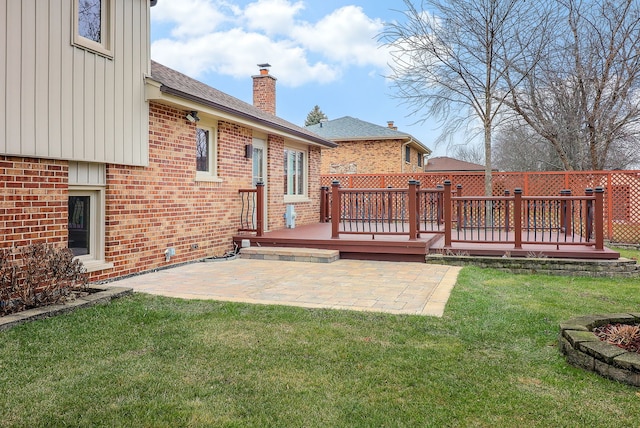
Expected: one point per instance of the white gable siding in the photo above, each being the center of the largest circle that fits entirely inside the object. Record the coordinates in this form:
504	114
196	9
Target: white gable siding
63	102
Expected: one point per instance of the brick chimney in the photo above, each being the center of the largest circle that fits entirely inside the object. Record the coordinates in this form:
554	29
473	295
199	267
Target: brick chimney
391	125
264	90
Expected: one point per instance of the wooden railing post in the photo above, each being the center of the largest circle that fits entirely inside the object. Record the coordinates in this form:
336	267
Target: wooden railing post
413	210
448	208
259	209
599	218
335	210
517	217
324	204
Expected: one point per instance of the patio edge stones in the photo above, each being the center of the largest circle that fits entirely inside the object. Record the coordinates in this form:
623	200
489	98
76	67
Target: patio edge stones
583	349
103	296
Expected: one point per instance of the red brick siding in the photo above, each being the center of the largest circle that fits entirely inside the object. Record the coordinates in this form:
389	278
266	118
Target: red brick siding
149	209
33	201
368	157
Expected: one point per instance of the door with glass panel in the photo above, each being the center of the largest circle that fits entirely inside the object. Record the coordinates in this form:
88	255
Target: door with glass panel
259	157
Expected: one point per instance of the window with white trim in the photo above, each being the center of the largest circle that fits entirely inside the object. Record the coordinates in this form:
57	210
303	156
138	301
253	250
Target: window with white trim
407	154
295	172
86	214
206	154
86	226
93	25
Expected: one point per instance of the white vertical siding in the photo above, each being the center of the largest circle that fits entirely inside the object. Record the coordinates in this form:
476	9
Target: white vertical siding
62	101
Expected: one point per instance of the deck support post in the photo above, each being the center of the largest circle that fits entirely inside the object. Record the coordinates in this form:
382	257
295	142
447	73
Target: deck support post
599	214
324	204
335	209
259	209
413	209
448	208
517	217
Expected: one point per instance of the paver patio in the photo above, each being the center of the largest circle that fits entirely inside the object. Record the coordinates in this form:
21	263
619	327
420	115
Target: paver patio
392	287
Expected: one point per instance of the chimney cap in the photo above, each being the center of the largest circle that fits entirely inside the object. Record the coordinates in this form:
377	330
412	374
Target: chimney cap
265	65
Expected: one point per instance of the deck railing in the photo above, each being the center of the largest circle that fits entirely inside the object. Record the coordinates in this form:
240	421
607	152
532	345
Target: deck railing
252	210
513	219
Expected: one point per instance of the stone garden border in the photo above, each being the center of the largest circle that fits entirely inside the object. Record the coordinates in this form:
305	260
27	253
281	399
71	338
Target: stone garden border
100	296
584	349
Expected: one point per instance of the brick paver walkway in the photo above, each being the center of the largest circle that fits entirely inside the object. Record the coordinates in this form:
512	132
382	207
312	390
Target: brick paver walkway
399	288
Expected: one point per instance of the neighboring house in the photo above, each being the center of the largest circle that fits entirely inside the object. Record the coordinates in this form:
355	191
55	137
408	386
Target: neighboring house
447	164
366	148
97	152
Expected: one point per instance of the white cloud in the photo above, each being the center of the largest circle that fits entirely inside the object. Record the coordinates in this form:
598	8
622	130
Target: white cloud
272	16
347	35
208	36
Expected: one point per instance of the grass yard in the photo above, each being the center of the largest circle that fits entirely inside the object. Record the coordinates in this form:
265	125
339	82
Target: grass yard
491	361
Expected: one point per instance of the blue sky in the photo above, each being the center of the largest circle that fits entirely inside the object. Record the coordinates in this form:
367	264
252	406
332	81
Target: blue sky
322	52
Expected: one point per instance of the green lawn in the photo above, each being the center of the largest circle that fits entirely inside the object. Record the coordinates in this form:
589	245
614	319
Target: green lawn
491	361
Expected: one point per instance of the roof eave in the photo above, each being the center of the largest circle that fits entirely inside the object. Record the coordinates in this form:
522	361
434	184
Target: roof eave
178	93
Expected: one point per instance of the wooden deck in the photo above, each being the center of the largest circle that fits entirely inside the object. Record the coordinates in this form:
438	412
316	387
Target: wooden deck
401	248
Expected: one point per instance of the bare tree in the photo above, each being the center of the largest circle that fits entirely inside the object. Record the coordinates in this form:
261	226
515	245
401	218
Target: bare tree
450	59
470	152
584	98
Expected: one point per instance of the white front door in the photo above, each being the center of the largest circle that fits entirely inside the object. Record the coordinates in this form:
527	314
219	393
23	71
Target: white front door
259	157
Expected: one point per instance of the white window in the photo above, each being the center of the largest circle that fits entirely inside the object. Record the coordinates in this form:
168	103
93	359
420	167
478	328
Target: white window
86	214
93	25
206	154
295	173
86	227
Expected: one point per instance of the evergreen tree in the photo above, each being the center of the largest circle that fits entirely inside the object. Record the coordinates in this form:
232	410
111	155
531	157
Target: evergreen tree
315	116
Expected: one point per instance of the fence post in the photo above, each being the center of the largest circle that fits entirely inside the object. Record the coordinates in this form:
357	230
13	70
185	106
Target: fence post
447	213
335	209
517	217
260	209
413	221
324	204
599	218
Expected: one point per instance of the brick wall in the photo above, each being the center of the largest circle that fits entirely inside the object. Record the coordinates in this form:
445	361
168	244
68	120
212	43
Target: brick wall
33	201
149	209
368	157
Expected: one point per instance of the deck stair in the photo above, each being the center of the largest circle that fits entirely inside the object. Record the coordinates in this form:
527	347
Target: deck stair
311	255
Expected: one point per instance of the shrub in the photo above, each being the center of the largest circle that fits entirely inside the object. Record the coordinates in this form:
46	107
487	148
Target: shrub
37	275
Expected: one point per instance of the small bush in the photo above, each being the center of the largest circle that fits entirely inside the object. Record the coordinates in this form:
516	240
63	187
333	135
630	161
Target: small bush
37	275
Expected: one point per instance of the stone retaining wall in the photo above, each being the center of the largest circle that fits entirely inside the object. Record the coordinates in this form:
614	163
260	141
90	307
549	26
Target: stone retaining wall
546	266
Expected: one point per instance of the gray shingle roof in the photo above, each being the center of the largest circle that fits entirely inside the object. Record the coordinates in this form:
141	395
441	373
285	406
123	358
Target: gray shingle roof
348	129
181	85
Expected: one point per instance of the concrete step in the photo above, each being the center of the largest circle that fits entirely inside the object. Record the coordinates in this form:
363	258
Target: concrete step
312	255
